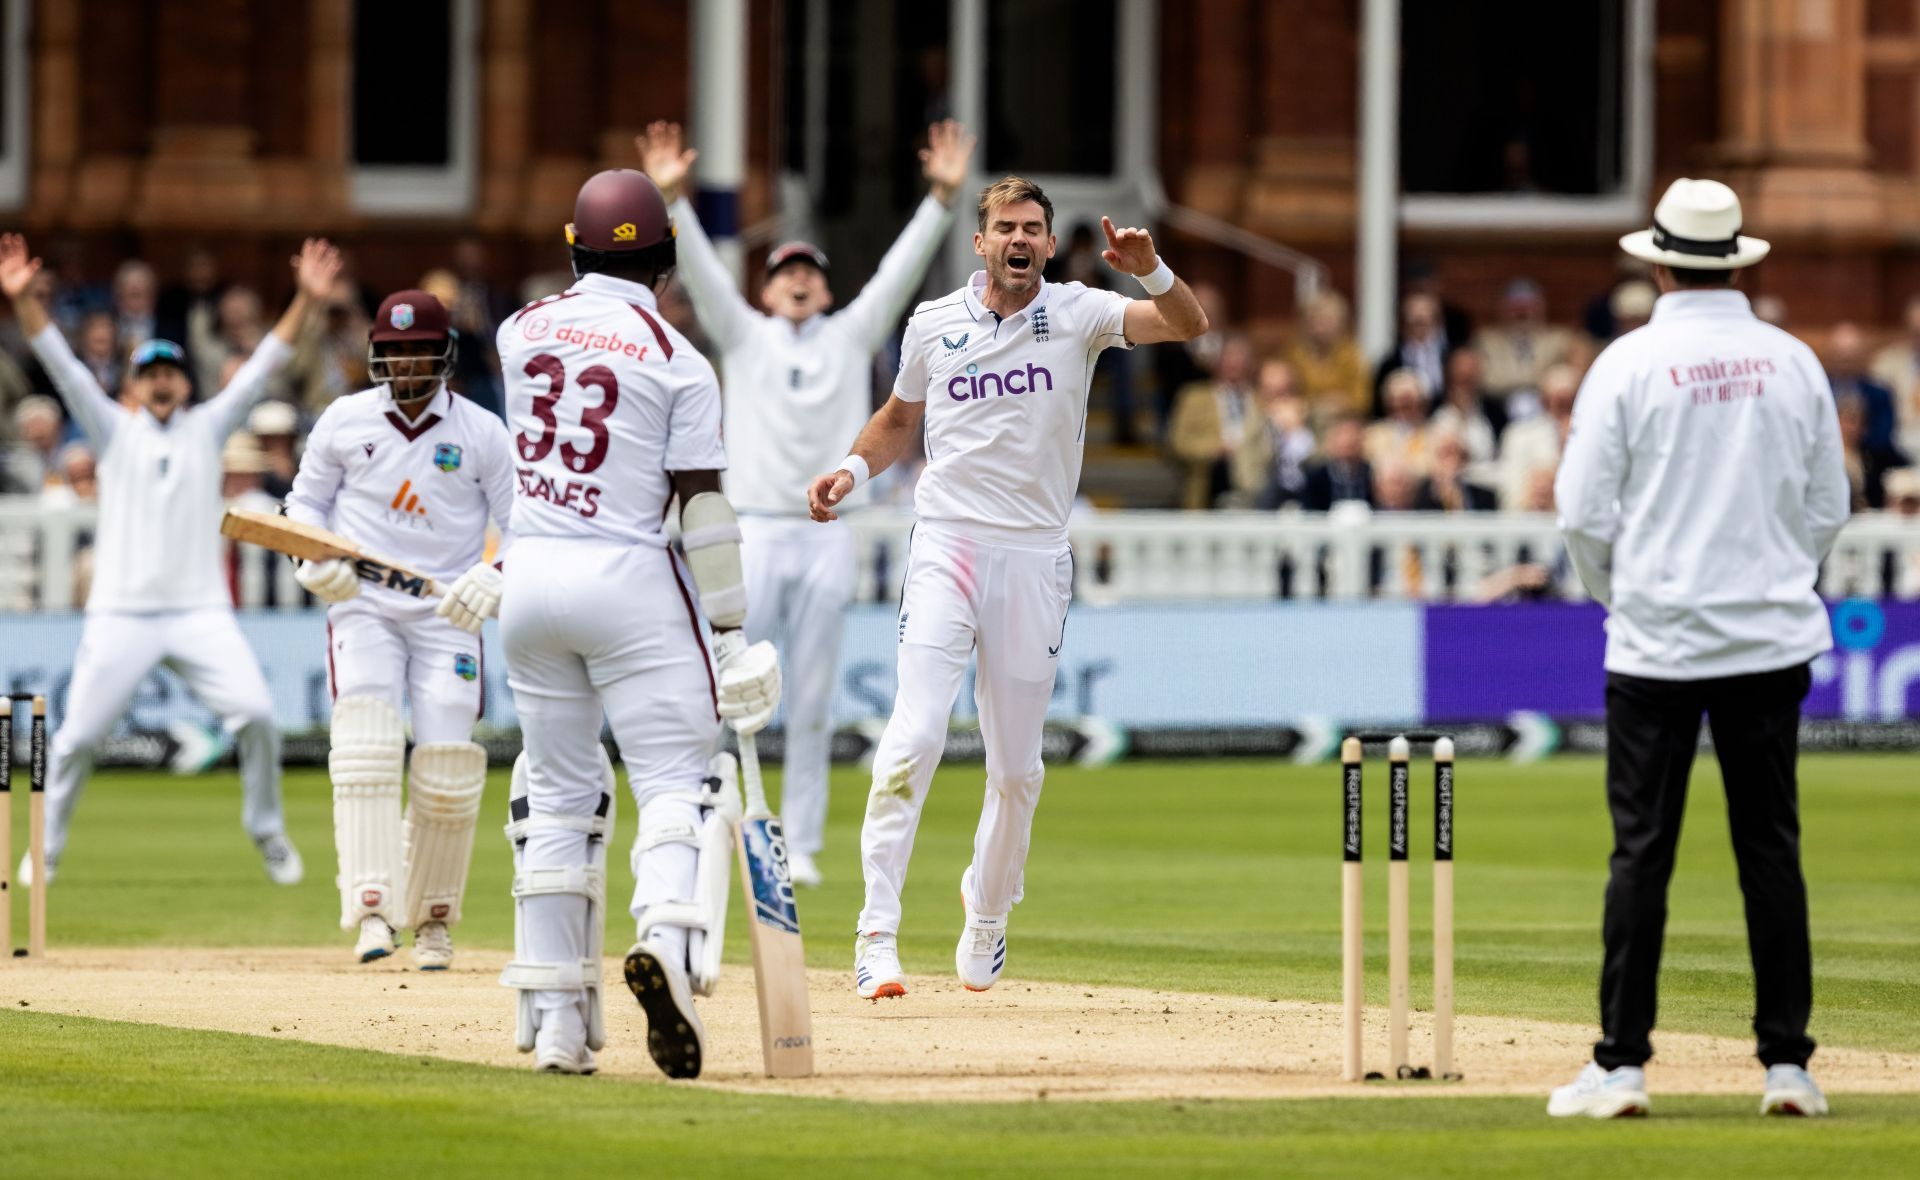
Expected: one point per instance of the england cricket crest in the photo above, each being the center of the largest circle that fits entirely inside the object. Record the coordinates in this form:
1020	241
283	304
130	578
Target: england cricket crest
446	456
772	880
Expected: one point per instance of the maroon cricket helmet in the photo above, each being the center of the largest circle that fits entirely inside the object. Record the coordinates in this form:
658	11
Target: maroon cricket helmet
410	315
619	211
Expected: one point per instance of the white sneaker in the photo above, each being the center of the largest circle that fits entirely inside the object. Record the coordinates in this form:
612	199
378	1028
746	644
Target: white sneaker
1790	1090
1602	1093
982	951
282	859
377	939
876	967
675	1038
800	865
24	876
560	1045
432	947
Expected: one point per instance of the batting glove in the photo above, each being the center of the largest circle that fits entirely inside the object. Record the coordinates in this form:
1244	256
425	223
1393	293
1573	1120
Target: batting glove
329	581
472	600
749	681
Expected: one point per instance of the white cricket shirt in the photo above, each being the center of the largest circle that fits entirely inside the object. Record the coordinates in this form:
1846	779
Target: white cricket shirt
1702	486
603	399
418	492
157	546
798	394
1006	402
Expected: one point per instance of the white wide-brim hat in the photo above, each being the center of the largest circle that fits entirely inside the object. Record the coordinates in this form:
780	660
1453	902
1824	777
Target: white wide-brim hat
1696	225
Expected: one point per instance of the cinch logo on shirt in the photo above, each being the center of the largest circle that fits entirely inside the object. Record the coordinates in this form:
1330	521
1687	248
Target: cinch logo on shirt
973	384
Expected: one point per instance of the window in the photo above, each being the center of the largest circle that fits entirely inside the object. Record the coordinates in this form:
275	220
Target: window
1528	114
1050	87
412	121
13	102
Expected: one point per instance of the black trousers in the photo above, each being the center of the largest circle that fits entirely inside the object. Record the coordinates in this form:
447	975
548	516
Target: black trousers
1652	729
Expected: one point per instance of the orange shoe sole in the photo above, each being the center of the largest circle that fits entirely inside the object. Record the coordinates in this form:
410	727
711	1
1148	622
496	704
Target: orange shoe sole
890	991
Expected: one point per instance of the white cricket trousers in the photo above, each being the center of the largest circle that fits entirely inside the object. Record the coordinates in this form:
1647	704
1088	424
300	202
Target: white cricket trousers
966	592
591	626
385	649
800	578
206	649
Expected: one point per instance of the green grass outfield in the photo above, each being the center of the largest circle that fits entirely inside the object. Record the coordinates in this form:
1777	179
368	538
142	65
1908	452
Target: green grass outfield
1203	876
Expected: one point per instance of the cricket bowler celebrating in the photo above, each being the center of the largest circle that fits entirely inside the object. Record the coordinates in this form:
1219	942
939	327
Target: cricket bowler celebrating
998	371
613	414
411	471
159	585
798	383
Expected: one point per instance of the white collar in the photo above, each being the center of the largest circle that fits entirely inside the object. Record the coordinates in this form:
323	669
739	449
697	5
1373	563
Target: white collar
439	403
626	289
977	283
1711	302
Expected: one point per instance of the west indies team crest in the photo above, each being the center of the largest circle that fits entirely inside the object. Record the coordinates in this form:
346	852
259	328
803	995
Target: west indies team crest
466	667
446	456
401	316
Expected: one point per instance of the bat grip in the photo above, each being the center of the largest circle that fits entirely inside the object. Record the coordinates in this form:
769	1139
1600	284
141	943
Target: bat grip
750	775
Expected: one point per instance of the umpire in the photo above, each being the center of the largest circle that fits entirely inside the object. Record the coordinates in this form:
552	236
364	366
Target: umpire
1701	488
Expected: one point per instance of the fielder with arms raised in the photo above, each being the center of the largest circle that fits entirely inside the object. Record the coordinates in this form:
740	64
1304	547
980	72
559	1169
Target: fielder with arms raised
798	383
412	471
159	586
998	371
613	414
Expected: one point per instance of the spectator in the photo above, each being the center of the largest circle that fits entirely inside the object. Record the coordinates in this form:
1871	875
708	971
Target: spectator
1897	366
1343	473
1178	365
135	297
1219	433
1289	438
1536	443
1466	410
1866	470
1522	346
1401	438
1447	487
1326	361
1770	309
1902	486
1422	347
1420	278
78	483
275	426
342	348
1631	306
1598	318
189	315
1396	487
1847	371
242	322
100	349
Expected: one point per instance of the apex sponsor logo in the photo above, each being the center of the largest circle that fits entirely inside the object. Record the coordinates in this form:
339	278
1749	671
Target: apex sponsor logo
406	509
974	385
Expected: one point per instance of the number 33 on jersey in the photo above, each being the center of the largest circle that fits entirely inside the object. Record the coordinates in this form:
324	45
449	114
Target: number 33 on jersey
604	398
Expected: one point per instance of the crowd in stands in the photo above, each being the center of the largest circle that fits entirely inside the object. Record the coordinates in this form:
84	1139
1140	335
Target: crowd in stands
1451	418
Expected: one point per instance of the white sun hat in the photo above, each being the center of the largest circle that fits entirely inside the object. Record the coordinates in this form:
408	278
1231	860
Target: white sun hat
1696	225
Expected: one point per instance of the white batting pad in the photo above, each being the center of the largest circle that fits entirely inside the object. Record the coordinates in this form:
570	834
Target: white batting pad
444	785
365	763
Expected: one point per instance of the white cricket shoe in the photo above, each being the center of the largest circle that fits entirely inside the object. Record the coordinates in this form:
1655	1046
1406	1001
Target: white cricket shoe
1602	1093
282	859
675	1038
1790	1090
377	939
560	1044
25	874
432	947
804	872
982	951
876	967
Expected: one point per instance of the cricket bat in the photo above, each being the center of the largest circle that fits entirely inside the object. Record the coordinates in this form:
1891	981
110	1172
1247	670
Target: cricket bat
270	530
773	927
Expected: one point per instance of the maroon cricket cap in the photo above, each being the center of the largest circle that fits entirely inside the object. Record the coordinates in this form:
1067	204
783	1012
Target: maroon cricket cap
796	252
618	211
410	315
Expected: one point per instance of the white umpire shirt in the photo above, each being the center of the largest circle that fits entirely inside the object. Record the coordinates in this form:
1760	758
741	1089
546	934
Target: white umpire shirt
158	545
1006	403
796	393
418	492
1703	484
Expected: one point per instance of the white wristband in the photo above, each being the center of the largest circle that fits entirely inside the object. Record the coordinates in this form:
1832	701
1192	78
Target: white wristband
1159	280
855	466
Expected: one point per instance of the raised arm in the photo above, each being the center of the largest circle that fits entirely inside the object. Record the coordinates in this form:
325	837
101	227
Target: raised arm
96	412
877	308
1172	313
315	267
723	312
